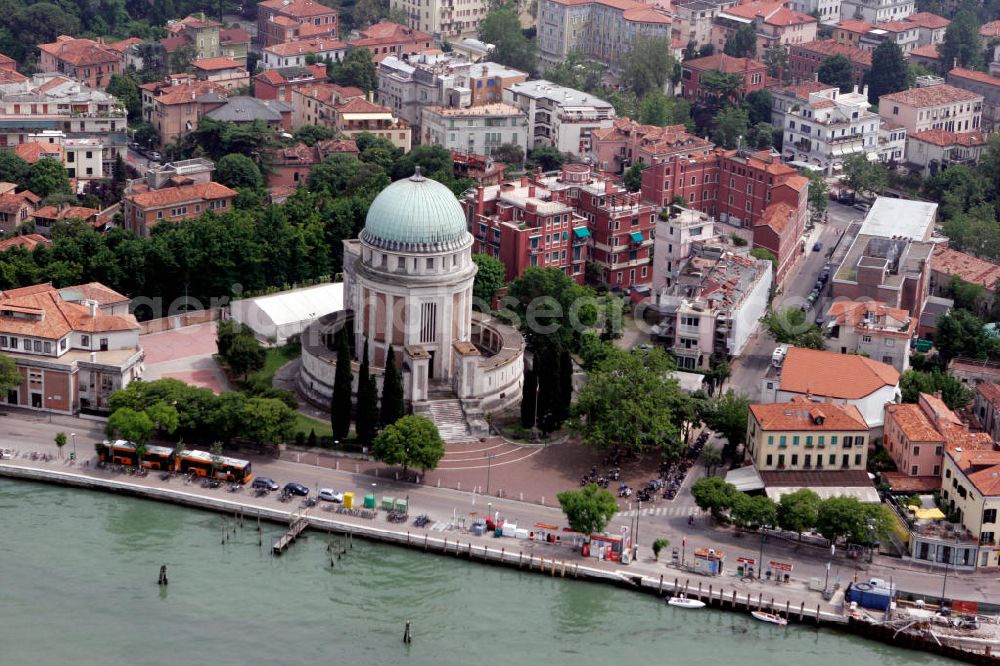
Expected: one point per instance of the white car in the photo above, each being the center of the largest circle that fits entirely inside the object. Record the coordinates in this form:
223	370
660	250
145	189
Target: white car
331	495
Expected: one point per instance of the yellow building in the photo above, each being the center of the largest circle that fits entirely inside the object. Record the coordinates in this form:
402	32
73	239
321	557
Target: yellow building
807	435
971	487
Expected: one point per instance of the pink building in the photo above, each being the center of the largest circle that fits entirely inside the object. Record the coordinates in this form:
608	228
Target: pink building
627	142
754	74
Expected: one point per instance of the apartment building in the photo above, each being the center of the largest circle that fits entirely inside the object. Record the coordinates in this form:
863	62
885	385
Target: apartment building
753	75
867	37
871	328
174	107
560	117
827	11
939	106
877	11
278	83
243	110
804	60
73	347
85	60
82	157
144	210
297	53
16	208
826	127
678	232
806	435
386	38
224	71
627	142
712	307
693	20
476	129
347	111
201	33
773	22
891	142
51	108
971	488
930	27
280	21
934	150
234	43
984	84
986	408
444	18
894	271
598	29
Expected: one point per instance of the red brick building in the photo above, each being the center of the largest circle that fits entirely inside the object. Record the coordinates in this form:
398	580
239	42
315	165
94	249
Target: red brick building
804	60
754	74
386	38
291	166
279	83
85	60
280	21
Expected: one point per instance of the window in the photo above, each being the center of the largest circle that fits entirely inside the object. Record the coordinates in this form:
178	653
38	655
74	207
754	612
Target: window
48	347
3	340
770	438
809	441
990	516
889	342
770	460
833	440
38	346
795	440
866	339
84	340
13	343
795	459
781	442
833	459
914	469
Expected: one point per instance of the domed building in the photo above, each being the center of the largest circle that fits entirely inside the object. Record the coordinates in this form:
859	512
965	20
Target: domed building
408	285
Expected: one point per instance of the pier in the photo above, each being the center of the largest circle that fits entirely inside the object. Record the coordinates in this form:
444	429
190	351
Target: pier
297	527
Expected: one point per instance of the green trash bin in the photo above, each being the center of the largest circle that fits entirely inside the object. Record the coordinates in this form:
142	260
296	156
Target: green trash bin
387	503
402	505
370	501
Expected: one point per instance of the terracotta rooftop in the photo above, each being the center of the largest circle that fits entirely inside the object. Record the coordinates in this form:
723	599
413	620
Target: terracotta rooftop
928	20
895	26
831	375
873	315
854	25
301	46
803	90
990	391
646	15
11	76
66	213
54	317
777	216
965	266
754	9
972	75
828	47
904	483
492	110
80	52
801	413
234	36
123	44
170	196
356	105
387	32
939	137
915	425
215	64
991	29
298	8
846	478
28	242
33	151
171	44
93	291
721	62
331	146
188	92
926	51
786	17
931	96
12	202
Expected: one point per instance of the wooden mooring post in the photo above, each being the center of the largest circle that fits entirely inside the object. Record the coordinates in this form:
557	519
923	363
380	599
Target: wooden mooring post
163	575
407	634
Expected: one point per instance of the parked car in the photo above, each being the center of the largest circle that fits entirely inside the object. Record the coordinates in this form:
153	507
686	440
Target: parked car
154	156
265	482
820	319
863	207
818	246
330	495
296	489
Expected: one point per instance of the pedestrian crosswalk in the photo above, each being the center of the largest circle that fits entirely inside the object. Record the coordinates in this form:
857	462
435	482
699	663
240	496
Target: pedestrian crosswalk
673	510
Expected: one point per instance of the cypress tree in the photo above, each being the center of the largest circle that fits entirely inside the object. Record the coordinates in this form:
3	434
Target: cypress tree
528	399
565	398
393	407
340	403
365	424
547	370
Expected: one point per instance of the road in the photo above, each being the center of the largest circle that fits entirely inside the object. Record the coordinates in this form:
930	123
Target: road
137	161
26	432
750	366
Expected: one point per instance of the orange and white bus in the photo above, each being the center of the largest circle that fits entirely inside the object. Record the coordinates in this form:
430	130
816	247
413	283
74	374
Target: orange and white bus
204	463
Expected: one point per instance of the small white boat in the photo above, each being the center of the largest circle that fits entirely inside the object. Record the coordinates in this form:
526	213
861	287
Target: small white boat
769	617
681	601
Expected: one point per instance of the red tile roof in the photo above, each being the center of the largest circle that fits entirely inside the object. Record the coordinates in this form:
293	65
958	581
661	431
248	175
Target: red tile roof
754	9
124	44
777	216
188	92
785	17
801	413
298	8
884	319
55	317
912	421
28	242
646	15
301	46
928	20
386	32
721	62
905	483
931	96
215	64
356	105
971	75
80	52
171	44
828	47
965	266
926	51
231	36
33	151
66	213
13	202
939	137
991	29
854	25
990	391
170	196
832	375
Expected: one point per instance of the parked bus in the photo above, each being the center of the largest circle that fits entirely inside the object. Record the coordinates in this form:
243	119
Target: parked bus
122	452
204	463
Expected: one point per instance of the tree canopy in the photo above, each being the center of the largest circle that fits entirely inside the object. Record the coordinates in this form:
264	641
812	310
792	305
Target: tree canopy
10	376
712	493
236	171
742	42
357	69
490	278
502	28
838	71
888	73
589	509
412	441
865	177
647	65
961	42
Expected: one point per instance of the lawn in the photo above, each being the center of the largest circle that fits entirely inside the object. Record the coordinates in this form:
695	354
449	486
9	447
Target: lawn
276	357
305	425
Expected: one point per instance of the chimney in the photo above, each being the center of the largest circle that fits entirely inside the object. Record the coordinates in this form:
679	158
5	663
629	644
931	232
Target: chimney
531	190
93	308
93	357
937	394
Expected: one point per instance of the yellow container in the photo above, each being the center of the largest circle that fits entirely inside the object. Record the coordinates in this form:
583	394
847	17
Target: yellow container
348	500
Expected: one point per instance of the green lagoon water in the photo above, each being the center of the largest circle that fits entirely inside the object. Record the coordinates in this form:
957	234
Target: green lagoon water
78	586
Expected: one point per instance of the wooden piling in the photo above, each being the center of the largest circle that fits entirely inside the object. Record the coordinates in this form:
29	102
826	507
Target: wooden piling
802	610
407	635
659	590
163	575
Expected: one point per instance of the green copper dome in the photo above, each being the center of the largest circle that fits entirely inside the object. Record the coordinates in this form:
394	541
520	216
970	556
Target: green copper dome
415	214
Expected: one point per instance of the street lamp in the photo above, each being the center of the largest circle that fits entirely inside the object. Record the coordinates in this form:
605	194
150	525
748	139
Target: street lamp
73	437
760	561
489	468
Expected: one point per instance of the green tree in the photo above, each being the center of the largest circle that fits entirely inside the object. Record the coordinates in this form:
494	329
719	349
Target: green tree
131	425
13	169
633	176
712	493
728	415
758	106
366	422
216	451
797	511
961	333
865	177
312	134
753	512
146	135
712	457
718	372
509	153
760	136
529	396
10	376
790	326
968	296
658	546
226	331
164	417
819	191
490	279
730	125
236	171
542	300
721	89
246	354
411	441
502	28
776	59
862	524
357	69
392	407
60	440
589	509
268	420
647	65
340	404
626	403
888	73
742	43
48	176
838	71
124	88
547	157
179	62
658	109
961	42
954	393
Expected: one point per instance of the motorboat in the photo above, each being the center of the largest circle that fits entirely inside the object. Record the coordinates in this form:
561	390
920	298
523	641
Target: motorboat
772	618
681	601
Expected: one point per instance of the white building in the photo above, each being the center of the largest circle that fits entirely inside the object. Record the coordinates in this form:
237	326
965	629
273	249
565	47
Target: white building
871	328
827	11
672	243
295	54
931	151
844	378
277	317
935	106
560	117
477	129
877	11
444	18
825	127
82	157
891	142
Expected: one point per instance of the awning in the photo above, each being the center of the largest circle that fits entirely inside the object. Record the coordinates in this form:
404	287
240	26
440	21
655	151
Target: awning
636	236
864	494
921	513
745	478
581	232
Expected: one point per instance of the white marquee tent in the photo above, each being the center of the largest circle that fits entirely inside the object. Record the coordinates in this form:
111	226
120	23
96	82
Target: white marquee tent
283	314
